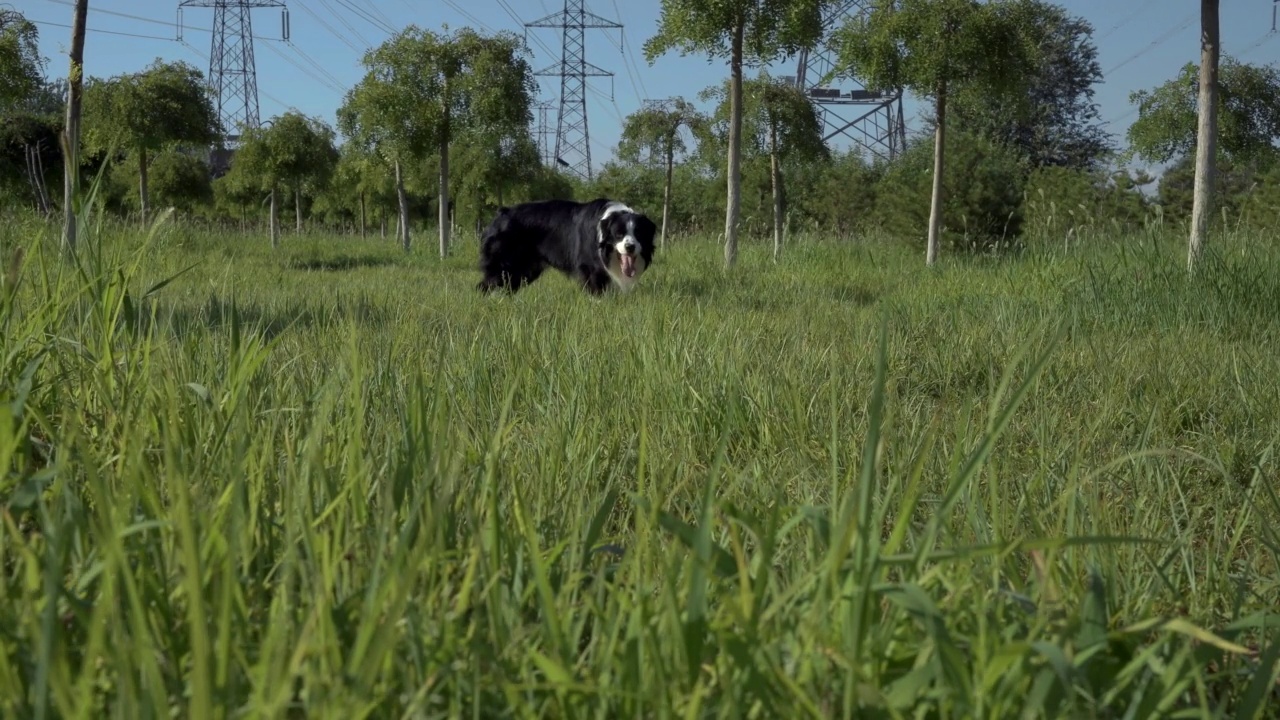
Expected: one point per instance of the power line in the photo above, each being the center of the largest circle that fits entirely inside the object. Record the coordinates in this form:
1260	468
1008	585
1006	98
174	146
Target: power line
329	27
326	79
105	32
341	19
1160	40
367	17
1248	49
139	18
1127	19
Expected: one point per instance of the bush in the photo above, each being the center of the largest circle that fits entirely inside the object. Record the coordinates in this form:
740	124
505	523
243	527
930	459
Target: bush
1062	201
982	193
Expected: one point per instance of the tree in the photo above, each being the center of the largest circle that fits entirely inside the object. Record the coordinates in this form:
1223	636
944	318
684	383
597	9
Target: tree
424	91
21	66
235	191
747	31
938	48
1206	132
655	131
291	151
356	175
490	172
147	111
1248	115
780	123
1055	122
71	131
181	180
29	143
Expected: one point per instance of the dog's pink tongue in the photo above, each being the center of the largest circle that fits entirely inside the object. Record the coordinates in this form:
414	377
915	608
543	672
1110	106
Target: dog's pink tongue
628	266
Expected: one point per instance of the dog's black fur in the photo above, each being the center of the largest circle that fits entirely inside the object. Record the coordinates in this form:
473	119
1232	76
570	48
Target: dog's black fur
585	241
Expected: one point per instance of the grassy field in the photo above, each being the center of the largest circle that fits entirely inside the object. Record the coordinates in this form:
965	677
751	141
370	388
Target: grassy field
334	481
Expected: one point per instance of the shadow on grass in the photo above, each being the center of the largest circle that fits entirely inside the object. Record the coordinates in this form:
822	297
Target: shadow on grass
340	263
762	295
216	314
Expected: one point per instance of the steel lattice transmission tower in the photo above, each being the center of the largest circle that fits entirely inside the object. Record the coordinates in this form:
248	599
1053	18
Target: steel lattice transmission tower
573	147
232	73
542	130
869	118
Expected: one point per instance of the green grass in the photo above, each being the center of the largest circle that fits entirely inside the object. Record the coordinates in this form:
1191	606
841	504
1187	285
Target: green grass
334	481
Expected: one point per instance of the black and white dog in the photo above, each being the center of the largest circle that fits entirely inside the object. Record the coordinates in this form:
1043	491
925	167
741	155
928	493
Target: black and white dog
595	242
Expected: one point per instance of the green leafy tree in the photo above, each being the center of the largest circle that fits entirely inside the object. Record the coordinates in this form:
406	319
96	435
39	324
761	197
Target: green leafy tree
1248	120
836	196
360	176
423	92
21	66
780	123
983	192
938	48
236	194
29	144
145	112
489	168
656	131
181	180
746	32
291	151
1055	122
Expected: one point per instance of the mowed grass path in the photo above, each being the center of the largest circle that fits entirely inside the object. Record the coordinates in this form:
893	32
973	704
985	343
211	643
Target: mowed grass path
334	481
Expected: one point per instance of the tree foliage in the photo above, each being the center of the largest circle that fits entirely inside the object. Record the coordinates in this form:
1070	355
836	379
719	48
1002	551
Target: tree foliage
745	32
937	49
1248	119
21	65
655	133
423	91
983	193
145	112
779	123
1055	122
291	151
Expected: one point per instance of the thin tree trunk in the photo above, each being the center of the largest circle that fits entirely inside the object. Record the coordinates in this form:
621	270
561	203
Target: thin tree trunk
1206	133
735	149
382	220
143	201
71	130
775	174
935	200
402	229
297	210
45	205
445	218
35	172
275	219
363	218
666	192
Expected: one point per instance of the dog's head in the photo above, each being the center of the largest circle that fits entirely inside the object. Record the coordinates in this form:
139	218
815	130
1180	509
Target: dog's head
626	243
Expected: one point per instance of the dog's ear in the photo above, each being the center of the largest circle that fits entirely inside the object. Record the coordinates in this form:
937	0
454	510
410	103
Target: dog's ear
602	232
646	229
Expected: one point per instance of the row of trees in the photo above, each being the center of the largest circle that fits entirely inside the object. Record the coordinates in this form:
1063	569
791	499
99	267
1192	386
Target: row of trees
440	124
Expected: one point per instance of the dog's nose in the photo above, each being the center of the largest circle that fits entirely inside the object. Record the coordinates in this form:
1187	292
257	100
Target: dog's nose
629	247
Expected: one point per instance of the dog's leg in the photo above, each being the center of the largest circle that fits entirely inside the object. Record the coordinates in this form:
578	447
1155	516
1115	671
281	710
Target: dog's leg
596	282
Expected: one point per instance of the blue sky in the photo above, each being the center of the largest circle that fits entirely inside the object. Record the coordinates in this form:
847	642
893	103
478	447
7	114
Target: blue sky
1141	43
